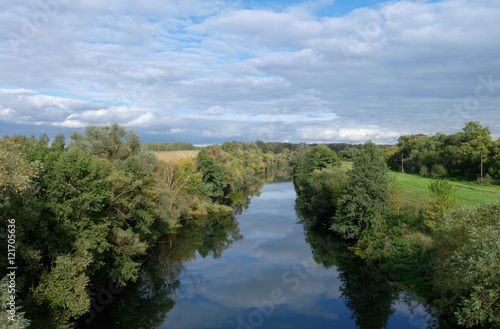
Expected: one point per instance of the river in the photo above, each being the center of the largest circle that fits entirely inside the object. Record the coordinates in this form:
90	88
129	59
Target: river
258	269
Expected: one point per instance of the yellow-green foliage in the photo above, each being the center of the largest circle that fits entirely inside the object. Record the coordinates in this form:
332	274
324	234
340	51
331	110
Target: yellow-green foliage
15	172
170	156
64	287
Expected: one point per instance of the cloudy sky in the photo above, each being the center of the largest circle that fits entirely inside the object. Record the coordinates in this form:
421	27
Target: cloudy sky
205	71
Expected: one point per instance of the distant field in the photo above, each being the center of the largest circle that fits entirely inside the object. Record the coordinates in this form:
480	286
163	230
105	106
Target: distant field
415	190
346	164
169	156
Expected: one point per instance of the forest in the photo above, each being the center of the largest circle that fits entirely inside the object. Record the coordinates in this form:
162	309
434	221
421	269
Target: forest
445	252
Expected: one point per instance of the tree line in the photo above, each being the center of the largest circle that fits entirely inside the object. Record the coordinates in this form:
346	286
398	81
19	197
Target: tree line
469	154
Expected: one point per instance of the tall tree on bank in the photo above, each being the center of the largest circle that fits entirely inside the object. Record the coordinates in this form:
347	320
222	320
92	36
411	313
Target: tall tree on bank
366	198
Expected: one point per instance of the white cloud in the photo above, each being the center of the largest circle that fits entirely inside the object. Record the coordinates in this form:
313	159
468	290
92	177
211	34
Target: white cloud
215	110
347	135
395	68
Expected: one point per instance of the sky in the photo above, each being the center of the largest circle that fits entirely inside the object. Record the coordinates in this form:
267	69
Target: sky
208	71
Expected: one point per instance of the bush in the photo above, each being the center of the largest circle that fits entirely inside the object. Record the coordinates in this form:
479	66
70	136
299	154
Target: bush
441	201
439	170
467	264
424	171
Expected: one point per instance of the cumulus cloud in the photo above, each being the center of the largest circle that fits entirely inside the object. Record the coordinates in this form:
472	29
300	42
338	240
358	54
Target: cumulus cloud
346	135
215	110
250	71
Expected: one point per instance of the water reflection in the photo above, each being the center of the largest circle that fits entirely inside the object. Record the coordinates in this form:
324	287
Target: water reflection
208	276
366	291
145	304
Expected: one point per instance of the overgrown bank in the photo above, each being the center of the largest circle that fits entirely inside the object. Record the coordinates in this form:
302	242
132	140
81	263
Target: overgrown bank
444	253
88	210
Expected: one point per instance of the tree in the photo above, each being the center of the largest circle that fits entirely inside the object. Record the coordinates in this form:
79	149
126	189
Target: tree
16	173
64	288
110	142
213	175
366	198
317	157
441	201
474	130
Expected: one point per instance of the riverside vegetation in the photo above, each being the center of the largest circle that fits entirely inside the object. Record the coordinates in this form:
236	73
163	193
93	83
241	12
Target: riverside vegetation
89	210
444	252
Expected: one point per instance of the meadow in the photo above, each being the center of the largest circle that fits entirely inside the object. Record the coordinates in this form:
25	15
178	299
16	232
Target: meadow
169	156
415	190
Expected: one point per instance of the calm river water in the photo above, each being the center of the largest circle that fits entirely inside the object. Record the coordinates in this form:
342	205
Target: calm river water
258	269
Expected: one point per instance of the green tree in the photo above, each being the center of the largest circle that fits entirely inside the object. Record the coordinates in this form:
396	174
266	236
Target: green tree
474	130
20	322
366	198
64	288
317	157
110	142
213	175
467	262
441	201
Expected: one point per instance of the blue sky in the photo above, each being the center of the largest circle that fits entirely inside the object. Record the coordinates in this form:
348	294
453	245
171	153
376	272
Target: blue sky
209	71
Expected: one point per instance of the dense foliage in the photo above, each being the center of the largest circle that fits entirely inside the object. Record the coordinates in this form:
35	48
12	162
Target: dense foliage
467	264
318	180
457	155
442	251
365	200
87	211
231	169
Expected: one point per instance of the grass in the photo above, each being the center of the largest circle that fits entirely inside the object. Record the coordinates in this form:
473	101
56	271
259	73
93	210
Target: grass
415	190
169	156
346	164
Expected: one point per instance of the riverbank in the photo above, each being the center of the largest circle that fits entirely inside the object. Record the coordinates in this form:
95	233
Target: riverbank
443	250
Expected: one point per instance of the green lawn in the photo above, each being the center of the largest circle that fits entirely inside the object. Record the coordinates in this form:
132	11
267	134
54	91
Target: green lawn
415	190
346	164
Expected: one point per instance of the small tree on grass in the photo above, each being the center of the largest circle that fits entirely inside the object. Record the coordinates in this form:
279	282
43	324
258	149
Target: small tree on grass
441	201
366	200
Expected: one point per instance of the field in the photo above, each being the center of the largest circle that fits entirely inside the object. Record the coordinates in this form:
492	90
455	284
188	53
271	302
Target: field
415	190
346	164
169	156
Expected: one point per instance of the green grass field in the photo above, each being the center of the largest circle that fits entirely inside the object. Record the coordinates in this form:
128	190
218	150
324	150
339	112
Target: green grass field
346	164
169	156
415	190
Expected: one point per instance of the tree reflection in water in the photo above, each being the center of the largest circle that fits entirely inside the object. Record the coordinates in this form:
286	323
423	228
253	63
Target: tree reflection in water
145	304
366	290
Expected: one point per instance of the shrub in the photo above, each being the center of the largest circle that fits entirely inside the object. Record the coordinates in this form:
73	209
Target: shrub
439	170
424	171
467	264
441	201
